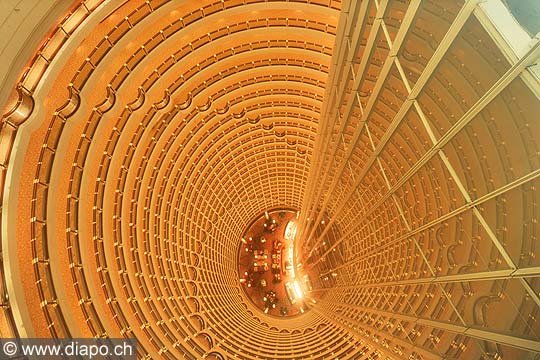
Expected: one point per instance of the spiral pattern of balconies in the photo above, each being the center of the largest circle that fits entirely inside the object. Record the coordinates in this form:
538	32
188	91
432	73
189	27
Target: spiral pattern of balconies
146	135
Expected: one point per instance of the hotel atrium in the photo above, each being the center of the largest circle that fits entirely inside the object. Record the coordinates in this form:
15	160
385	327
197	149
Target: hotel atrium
250	179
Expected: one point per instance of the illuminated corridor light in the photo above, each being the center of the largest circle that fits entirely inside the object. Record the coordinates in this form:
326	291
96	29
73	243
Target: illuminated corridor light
290	231
297	290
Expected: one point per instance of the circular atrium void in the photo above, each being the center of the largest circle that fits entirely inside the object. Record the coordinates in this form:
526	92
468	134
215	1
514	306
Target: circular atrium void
266	265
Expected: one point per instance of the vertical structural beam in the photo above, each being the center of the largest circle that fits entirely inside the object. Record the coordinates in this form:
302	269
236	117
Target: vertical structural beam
379	85
532	55
342	42
428	71
340	320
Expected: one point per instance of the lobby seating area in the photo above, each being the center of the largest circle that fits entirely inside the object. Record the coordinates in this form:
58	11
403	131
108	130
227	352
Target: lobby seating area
263	264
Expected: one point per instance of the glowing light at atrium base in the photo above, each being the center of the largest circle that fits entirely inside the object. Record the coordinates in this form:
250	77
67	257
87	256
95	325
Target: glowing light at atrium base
266	265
